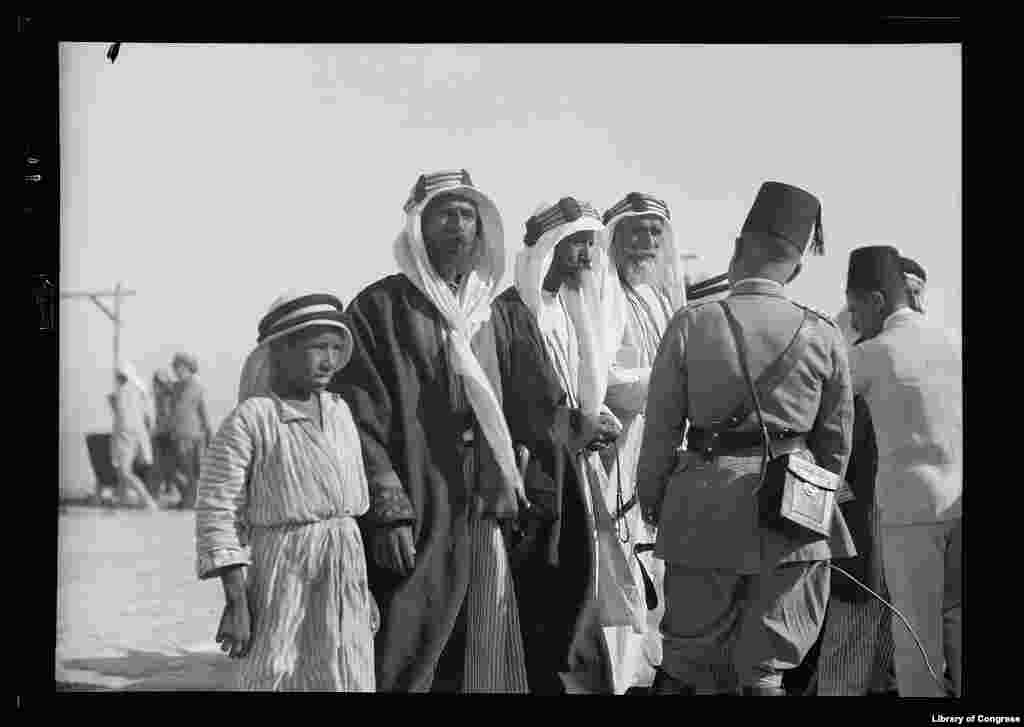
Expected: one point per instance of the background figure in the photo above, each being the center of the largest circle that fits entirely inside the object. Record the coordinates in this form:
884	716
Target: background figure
129	440
162	473
190	427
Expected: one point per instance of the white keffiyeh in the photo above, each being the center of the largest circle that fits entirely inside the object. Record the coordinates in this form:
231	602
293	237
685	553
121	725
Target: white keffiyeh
583	305
465	314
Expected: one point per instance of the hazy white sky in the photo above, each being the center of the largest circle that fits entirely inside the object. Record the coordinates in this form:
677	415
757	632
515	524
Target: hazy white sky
209	178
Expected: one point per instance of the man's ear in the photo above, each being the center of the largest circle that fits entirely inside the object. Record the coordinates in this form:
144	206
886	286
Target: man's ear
878	299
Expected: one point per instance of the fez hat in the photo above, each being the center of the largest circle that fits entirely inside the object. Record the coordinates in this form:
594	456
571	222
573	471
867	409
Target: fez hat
913	269
787	213
875	267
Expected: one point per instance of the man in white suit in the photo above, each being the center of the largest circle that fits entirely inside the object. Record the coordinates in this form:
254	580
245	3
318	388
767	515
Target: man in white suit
910	372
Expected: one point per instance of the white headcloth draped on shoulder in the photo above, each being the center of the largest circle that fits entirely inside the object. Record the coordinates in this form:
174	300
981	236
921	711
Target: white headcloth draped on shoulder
466	311
550	224
668	279
290	312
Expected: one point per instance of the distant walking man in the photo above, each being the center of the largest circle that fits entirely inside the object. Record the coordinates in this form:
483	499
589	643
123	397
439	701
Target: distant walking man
190	428
130	442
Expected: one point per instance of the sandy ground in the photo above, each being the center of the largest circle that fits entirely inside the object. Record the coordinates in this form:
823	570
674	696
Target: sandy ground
131	614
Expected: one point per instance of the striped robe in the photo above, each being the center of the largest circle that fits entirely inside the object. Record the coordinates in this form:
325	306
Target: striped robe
281	496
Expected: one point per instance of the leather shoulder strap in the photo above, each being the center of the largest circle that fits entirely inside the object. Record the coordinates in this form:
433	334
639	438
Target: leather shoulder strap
771	376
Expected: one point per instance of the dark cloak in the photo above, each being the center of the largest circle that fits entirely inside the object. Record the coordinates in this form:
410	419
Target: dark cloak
550	558
399	387
861	513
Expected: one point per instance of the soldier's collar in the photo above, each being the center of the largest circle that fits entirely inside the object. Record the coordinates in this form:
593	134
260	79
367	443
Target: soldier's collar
757	286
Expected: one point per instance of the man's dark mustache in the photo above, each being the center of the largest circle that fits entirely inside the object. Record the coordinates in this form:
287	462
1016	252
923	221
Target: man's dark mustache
455	239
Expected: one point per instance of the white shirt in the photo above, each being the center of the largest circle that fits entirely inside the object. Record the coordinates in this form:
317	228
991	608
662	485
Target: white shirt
911	375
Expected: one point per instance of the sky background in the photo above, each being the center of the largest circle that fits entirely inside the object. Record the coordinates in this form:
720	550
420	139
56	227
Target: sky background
210	178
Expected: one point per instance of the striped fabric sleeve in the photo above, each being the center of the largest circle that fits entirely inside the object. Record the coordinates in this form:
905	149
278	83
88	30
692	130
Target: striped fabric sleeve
221	498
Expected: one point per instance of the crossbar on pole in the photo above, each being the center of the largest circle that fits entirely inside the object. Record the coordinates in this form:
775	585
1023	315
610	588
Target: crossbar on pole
114	315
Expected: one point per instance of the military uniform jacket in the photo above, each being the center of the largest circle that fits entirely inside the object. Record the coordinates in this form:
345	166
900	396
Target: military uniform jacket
708	508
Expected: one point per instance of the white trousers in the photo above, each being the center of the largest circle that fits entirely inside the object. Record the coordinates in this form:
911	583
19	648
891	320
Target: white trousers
923	572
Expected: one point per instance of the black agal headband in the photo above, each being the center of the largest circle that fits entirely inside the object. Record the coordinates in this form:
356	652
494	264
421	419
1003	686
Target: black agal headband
563	212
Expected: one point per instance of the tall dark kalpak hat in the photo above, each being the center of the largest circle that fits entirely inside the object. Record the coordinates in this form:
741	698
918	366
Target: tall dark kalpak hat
788	214
875	267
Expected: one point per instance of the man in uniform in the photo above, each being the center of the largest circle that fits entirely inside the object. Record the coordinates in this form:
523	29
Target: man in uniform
734	588
715	287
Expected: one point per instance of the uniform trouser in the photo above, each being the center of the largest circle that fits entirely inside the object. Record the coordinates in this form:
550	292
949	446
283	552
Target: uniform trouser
923	572
763	623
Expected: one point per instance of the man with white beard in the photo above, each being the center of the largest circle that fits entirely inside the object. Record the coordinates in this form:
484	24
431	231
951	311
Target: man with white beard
643	287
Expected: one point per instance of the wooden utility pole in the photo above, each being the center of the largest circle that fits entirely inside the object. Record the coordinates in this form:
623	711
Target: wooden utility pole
114	315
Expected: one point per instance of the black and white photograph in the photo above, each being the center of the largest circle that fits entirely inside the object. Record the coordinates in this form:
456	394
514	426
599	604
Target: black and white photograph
628	369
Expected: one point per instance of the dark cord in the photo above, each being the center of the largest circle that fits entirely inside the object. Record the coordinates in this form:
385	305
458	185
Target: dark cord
906	623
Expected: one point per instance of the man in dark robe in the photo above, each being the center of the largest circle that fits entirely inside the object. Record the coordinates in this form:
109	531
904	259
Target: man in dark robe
439	459
551	382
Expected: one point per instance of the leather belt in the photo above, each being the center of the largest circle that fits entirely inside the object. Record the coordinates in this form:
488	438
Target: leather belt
706	442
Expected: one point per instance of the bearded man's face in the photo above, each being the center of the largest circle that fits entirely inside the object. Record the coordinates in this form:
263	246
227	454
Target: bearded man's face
450	230
636	248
